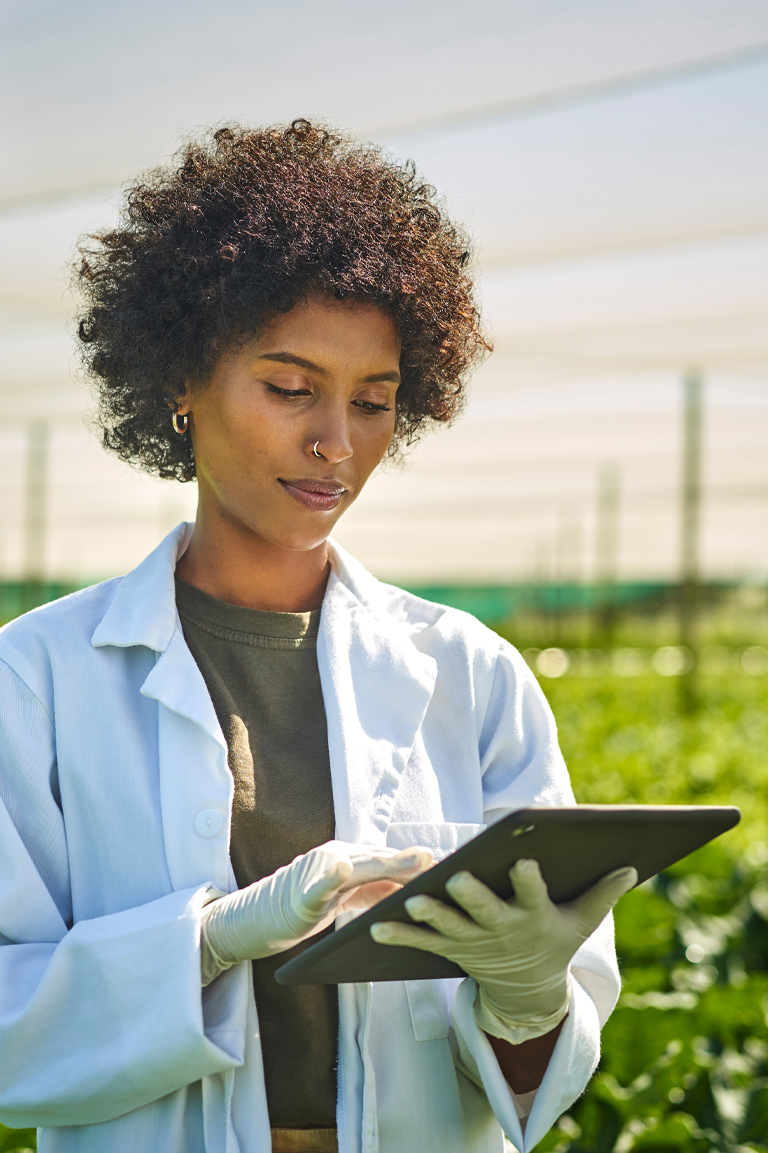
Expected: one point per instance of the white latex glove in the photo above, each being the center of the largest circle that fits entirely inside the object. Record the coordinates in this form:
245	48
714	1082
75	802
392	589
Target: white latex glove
518	951
301	899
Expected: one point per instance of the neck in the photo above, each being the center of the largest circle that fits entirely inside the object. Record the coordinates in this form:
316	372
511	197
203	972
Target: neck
231	563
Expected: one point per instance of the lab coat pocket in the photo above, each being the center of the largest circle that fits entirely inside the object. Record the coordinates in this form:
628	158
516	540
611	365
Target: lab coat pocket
427	1001
442	837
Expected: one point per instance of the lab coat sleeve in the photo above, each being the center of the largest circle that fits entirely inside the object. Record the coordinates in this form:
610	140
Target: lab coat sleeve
522	764
106	1015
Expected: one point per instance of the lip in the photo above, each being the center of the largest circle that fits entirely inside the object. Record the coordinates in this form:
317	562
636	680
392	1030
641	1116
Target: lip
320	495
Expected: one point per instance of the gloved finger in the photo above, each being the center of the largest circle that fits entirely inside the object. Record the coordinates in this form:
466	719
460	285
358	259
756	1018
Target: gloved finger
393	933
366	896
401	866
481	903
355	853
320	893
591	907
530	887
450	922
360	854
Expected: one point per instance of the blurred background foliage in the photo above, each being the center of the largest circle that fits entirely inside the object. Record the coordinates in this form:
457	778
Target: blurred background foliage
684	1054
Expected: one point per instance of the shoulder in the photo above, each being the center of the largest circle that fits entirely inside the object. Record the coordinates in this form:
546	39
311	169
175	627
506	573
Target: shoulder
477	668
450	624
55	636
437	629
77	614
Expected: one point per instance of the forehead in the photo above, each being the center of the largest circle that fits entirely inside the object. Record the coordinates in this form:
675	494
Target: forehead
334	330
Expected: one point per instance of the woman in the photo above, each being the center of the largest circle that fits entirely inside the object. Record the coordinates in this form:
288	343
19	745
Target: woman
207	761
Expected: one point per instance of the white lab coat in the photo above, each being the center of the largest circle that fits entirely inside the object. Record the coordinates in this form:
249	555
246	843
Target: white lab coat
115	801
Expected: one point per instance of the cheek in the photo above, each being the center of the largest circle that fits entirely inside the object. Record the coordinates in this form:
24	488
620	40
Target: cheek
380	443
375	435
239	436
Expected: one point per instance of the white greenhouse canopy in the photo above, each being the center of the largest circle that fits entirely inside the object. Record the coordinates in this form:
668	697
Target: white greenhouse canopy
611	162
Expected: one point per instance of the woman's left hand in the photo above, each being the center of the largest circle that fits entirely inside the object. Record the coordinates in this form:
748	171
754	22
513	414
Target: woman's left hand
518	950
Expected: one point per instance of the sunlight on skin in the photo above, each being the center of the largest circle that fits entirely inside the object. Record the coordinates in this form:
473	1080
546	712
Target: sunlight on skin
327	372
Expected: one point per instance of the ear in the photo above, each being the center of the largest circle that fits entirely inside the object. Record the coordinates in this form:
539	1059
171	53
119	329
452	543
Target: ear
182	404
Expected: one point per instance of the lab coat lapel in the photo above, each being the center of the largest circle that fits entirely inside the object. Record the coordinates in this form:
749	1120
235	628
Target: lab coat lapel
195	782
376	687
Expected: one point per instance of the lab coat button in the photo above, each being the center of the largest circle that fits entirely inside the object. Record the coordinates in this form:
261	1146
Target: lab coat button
209	822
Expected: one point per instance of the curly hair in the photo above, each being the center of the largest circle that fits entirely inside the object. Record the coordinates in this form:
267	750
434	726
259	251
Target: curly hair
246	223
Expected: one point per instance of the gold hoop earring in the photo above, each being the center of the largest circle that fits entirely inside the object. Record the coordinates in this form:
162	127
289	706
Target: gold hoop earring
175	419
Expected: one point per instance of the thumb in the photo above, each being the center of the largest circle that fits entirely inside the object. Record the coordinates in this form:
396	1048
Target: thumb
319	893
591	907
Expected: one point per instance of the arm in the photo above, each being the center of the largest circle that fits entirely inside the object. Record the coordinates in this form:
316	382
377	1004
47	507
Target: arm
110	1016
521	764
99	1017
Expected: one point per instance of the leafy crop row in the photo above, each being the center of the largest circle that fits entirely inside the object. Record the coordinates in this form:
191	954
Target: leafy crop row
684	1065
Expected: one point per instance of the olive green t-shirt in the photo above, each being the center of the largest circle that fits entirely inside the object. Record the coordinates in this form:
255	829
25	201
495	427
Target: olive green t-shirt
261	672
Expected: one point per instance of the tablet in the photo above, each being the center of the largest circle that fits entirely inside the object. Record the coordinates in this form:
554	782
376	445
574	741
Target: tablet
575	846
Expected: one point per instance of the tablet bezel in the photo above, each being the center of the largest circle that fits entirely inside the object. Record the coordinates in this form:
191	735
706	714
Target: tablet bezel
575	846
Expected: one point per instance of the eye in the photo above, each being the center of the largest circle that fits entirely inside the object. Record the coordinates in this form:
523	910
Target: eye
369	406
290	393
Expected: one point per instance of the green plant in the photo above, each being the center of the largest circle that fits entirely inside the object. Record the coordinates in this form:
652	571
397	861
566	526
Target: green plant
17	1140
684	1054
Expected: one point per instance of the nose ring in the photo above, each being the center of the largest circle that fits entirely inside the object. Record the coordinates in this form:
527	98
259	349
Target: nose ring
315	449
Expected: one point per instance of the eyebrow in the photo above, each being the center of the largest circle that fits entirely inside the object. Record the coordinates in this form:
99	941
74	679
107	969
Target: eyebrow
302	362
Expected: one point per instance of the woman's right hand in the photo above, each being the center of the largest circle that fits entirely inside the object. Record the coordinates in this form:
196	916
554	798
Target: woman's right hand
301	899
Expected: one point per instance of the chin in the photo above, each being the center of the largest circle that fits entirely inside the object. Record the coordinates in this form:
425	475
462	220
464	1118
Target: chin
303	545
293	530
297	541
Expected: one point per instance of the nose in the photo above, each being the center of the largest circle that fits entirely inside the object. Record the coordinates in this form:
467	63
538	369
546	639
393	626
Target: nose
331	434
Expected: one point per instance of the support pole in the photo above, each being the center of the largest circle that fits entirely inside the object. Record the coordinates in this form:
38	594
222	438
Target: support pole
690	523
543	581
35	512
607	551
569	575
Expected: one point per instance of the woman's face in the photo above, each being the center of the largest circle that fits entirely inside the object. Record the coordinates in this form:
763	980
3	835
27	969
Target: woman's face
325	373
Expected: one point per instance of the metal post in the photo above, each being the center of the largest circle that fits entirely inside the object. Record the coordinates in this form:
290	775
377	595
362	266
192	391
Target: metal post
35	511
569	573
607	550
690	521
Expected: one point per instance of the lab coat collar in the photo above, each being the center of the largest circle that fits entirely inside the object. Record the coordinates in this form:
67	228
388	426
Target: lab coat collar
143	609
143	612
